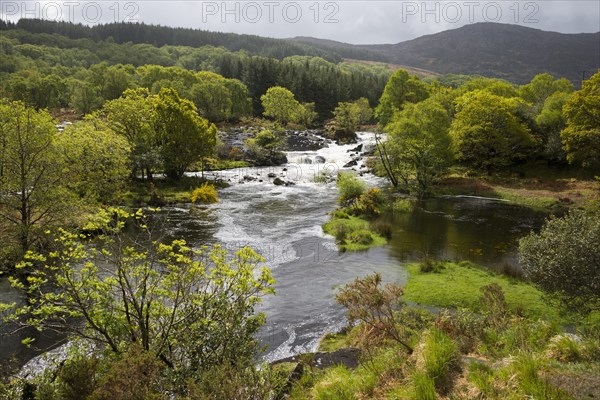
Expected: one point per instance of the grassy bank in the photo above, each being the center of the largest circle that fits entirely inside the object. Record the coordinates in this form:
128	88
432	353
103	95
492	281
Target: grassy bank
492	350
352	233
537	187
457	285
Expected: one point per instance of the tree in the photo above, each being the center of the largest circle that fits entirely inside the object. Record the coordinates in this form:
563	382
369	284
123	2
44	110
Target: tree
85	98
95	160
32	196
307	114
265	148
132	116
418	145
365	113
540	88
551	121
212	99
346	118
486	133
563	258
581	137
279	103
401	88
184	136
192	309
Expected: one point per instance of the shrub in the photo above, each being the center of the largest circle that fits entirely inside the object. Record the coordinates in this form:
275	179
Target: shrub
206	194
350	188
565	348
430	265
401	206
493	304
563	258
375	306
132	377
370	203
363	237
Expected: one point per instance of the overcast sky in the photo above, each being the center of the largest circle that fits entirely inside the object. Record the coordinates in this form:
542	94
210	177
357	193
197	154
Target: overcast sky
353	21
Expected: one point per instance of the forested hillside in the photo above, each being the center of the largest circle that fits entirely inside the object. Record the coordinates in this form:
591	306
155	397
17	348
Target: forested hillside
56	71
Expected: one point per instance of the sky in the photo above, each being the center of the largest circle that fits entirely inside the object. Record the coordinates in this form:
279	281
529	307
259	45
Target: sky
351	21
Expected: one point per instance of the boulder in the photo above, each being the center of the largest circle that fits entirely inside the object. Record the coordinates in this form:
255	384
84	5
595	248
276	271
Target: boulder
278	182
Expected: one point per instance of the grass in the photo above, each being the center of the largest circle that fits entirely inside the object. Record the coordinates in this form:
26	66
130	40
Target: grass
457	286
352	233
333	341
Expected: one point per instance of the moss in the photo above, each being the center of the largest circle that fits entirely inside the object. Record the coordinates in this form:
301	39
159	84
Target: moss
457	286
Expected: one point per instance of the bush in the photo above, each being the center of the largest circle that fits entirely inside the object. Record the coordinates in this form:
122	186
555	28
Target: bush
401	206
206	194
375	306
430	265
350	188
563	258
134	376
370	203
565	348
363	237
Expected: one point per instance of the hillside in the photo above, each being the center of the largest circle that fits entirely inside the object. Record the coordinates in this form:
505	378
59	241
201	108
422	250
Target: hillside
511	52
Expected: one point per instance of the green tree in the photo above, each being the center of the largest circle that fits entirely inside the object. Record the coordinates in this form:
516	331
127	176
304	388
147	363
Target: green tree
581	137
184	136
551	121
279	103
31	193
418	145
400	88
265	148
192	309
212	97
350	188
540	88
307	114
346	118
486	133
365	112
132	116
563	258
95	160
85	98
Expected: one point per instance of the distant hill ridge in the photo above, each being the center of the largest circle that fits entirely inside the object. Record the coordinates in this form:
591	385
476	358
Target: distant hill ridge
512	52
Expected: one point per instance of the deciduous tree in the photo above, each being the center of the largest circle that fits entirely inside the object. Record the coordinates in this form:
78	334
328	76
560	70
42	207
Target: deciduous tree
486	133
581	137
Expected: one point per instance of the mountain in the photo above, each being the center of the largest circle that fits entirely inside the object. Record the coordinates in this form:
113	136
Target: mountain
512	52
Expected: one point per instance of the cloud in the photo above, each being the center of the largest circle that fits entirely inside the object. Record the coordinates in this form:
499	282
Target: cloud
352	21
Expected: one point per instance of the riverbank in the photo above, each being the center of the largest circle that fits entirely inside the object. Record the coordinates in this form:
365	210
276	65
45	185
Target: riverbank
540	188
496	345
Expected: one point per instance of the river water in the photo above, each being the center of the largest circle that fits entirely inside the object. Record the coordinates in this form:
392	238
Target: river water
284	222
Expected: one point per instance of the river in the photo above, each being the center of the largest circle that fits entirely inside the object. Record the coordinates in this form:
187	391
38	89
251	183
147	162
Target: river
284	223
